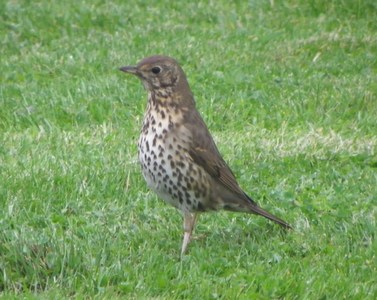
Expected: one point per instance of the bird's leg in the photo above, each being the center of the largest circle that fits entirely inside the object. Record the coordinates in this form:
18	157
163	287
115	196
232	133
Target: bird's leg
188	226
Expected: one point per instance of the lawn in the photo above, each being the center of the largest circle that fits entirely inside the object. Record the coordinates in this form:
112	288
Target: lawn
288	90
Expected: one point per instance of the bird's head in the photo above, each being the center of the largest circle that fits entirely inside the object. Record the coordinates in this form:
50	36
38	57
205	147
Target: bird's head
161	75
156	72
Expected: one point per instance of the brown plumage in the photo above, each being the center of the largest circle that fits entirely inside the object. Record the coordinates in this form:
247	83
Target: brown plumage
178	156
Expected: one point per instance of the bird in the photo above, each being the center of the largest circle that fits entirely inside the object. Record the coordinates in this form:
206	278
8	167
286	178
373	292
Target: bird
179	159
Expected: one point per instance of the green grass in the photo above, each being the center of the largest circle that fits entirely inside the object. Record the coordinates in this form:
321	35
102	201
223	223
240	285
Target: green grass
289	91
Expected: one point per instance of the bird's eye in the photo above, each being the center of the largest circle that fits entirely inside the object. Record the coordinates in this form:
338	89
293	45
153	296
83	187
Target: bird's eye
156	70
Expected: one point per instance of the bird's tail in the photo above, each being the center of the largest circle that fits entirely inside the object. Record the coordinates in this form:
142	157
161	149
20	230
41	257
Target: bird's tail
259	211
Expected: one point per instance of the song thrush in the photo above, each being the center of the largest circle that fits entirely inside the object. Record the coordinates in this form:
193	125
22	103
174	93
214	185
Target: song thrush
178	157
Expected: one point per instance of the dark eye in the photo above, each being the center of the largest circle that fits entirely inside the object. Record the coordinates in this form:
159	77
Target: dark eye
156	70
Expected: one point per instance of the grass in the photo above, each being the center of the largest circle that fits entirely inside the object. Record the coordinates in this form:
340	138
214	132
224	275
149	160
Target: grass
289	91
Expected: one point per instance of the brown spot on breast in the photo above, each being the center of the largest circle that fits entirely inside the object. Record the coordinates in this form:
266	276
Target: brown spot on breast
181	164
200	206
180	177
145	127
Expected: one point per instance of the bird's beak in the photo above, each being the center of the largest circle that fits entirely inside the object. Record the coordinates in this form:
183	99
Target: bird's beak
130	69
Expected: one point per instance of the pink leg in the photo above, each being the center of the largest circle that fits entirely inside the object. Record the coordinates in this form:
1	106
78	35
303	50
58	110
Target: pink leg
188	226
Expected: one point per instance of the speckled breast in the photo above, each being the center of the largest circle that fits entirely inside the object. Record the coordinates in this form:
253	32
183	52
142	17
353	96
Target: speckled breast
166	166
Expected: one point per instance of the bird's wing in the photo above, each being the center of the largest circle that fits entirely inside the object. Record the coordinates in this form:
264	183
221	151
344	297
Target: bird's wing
204	152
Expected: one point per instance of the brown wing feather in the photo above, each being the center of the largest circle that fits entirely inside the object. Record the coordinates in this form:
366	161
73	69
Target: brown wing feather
205	153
